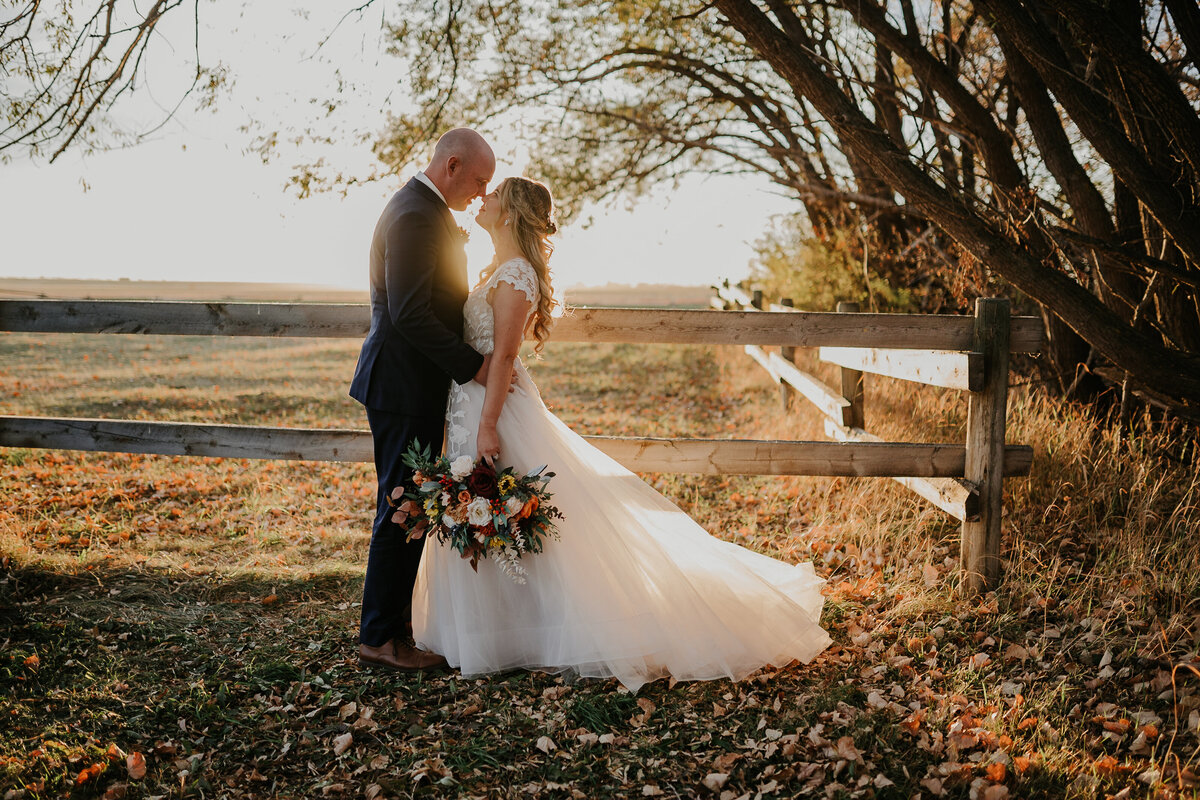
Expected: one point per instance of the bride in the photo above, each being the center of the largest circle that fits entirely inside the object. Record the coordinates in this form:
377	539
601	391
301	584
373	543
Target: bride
634	589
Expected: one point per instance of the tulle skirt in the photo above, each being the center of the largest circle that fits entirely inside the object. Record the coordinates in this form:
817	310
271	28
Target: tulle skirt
634	589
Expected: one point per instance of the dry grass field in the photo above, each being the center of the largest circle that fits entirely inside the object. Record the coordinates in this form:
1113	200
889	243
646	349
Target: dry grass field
185	627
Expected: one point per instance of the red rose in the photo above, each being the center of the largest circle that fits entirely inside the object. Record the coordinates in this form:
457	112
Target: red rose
482	481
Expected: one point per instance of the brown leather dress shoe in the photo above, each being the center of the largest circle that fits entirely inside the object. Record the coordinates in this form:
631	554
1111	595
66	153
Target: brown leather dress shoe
399	656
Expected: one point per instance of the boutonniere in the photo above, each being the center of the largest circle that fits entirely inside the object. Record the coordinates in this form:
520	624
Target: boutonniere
463	236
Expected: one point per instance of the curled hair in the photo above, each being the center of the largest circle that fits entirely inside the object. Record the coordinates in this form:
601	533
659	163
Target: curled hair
530	210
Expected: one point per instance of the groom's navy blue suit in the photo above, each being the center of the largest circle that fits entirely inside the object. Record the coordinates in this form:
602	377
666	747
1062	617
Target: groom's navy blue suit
413	351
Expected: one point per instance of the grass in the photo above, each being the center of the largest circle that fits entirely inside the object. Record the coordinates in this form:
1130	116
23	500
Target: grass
200	614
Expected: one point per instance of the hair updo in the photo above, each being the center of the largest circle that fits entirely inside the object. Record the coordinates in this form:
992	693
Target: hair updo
529	210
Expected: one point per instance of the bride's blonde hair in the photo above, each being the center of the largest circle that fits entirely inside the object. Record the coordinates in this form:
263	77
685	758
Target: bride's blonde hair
529	209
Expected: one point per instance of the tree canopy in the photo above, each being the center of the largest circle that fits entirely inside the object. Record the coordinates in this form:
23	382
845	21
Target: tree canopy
1048	148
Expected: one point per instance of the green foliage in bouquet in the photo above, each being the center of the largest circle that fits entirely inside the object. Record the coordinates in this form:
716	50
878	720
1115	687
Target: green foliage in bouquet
474	509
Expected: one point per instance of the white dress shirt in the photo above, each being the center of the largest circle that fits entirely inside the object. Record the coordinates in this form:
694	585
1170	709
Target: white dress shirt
423	178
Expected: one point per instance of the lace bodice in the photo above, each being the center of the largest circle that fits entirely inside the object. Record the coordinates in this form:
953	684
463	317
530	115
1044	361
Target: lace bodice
479	331
479	322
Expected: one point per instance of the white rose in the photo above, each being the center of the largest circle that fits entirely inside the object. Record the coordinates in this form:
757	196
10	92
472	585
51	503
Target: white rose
513	506
461	467
479	512
448	521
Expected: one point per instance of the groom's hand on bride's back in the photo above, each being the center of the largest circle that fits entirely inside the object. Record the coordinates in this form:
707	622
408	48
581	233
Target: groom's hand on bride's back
482	375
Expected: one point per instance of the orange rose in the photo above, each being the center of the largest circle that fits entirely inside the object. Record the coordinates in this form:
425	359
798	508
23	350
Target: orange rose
464	496
531	505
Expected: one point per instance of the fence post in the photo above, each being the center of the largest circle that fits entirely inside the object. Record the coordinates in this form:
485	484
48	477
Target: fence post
986	417
756	301
789	354
852	381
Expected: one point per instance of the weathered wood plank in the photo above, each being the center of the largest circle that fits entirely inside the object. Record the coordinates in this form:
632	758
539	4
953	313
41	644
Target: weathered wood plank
827	401
1027	334
953	370
635	325
332	320
186	439
953	495
854	386
987	412
788	354
708	456
794	329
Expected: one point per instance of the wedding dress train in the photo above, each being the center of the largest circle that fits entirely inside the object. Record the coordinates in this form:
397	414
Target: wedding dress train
634	589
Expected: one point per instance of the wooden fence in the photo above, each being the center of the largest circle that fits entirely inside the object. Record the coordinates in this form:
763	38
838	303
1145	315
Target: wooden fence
979	464
978	367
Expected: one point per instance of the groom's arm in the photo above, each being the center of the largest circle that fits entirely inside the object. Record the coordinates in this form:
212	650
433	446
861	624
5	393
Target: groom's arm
410	263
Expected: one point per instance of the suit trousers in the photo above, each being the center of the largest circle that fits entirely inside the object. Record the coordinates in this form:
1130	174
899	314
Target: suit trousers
392	562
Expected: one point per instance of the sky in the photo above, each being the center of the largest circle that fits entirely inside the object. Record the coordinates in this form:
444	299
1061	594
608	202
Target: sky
195	202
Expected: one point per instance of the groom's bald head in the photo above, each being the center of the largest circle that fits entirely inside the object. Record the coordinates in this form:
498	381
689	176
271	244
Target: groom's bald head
461	167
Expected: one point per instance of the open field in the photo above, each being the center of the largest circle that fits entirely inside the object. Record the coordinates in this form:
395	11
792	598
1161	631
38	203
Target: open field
646	294
198	616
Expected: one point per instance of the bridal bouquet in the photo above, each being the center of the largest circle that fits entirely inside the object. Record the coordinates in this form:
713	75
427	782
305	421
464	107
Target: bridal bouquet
471	507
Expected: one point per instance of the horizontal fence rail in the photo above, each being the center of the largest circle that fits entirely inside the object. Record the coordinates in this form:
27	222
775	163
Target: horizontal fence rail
702	456
633	325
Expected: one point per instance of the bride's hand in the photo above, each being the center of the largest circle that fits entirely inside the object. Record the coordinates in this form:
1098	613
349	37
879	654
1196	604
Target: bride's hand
487	443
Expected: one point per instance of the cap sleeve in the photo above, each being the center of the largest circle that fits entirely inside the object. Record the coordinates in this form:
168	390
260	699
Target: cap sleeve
519	274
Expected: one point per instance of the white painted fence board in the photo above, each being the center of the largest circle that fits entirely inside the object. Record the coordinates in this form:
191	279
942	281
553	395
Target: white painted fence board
829	402
953	495
951	369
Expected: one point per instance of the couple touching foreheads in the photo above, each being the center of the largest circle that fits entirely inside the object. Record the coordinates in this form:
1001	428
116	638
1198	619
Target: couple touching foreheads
633	588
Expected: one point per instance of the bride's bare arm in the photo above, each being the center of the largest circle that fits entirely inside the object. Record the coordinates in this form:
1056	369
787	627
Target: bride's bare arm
511	309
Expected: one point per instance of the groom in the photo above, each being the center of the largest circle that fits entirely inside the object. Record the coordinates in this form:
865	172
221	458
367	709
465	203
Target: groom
413	350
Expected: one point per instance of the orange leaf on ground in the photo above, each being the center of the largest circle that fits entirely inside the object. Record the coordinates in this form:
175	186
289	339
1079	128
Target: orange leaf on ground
33	662
135	765
88	774
1106	765
1022	763
996	772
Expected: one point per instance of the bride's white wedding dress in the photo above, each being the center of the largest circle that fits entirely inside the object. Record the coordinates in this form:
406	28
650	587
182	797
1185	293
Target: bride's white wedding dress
635	589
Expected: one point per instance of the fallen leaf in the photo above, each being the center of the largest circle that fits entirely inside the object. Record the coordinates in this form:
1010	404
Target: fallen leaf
135	765
342	743
651	790
713	781
33	662
269	599
725	762
88	774
934	785
1016	653
847	750
546	744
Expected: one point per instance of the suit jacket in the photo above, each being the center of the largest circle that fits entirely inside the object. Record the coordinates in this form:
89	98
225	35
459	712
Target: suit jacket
418	287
